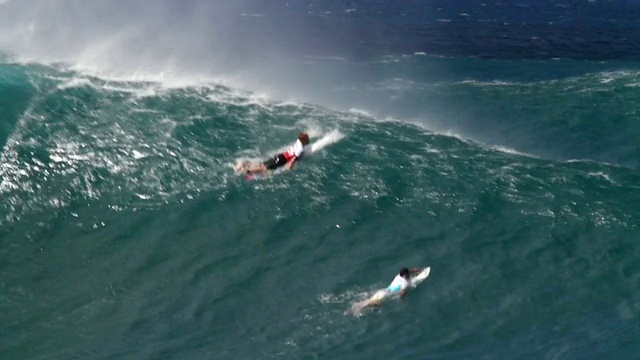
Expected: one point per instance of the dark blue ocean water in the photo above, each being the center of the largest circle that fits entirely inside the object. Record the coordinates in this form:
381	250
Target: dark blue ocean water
495	141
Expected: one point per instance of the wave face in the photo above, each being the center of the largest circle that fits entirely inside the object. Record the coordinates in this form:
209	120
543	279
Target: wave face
511	170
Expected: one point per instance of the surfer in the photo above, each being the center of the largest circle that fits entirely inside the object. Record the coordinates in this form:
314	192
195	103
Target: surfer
286	158
398	287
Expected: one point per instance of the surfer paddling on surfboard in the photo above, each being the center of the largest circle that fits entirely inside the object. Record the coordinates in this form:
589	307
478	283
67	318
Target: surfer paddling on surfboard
398	287
286	158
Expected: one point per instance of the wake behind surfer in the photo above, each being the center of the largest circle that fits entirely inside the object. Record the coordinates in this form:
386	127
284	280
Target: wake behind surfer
287	158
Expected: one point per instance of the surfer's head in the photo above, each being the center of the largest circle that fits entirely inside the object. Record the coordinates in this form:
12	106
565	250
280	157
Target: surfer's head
404	272
304	138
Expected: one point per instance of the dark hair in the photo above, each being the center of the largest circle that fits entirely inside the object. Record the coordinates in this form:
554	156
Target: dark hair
304	138
404	272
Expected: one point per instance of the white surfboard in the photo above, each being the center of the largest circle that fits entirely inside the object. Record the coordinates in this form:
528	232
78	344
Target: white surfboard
421	276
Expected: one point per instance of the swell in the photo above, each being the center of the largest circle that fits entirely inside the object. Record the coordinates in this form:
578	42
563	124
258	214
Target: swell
137	144
141	144
130	183
559	110
585	117
16	93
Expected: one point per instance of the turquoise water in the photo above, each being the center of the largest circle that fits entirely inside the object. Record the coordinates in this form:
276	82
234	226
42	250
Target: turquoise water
125	234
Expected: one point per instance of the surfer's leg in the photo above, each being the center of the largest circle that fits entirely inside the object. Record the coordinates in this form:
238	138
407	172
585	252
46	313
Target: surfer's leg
256	168
269	164
241	166
376	300
273	163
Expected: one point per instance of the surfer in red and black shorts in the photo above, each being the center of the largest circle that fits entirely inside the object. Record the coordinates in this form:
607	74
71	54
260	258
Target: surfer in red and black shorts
286	159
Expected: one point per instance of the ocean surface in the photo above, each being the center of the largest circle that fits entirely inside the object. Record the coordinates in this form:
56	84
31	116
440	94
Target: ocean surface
496	142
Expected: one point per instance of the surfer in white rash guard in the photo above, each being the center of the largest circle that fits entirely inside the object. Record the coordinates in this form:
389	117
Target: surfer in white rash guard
286	159
398	286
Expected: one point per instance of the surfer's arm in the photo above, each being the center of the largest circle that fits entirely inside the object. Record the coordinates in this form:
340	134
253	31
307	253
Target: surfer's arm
403	292
416	270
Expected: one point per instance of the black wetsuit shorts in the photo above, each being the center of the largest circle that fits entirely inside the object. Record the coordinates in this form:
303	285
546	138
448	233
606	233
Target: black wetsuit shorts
275	162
